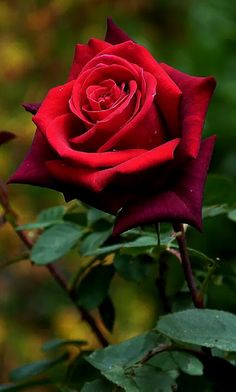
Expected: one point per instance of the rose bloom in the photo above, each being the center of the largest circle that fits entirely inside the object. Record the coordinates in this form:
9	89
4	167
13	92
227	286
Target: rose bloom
123	134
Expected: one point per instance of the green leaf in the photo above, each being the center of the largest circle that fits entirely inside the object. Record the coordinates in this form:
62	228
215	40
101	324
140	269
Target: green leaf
95	215
46	218
124	354
232	215
176	360
55	242
114	362
51	214
37	225
93	241
133	268
187	363
149	379
204	327
129	351
140	244
117	376
36	368
104	250
215	210
94	287
58	343
98	386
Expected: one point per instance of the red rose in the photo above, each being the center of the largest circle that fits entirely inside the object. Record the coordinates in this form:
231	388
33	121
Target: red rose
123	134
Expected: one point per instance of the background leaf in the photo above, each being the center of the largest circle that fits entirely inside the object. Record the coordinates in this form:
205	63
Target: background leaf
204	327
94	287
36	368
55	243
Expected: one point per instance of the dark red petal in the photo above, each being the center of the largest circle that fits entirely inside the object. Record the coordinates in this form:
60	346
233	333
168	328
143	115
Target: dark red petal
33	169
109	200
97	180
84	53
55	104
6	136
31	107
180	202
114	35
197	92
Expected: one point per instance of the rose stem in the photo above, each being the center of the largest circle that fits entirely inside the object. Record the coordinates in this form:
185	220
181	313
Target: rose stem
12	217
188	273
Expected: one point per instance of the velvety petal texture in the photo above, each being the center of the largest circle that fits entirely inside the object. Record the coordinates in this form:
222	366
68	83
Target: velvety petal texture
181	201
123	134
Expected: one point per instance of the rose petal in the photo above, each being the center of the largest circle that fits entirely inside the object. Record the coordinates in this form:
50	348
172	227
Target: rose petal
168	93
119	73
55	104
97	180
63	126
135	168
118	114
114	35
197	92
33	169
180	202
84	53
128	131
110	200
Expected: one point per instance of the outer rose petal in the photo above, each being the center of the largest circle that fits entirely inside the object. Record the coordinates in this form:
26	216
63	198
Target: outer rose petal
84	53
97	180
197	92
55	104
109	200
114	34
182	202
33	169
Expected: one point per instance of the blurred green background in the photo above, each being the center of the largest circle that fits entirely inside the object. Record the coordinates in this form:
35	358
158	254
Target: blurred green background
36	50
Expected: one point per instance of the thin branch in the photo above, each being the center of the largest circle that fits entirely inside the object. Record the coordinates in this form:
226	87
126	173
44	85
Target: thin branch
12	218
174	252
180	237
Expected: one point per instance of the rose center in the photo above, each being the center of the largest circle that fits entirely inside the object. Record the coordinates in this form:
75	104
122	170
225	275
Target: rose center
104	96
